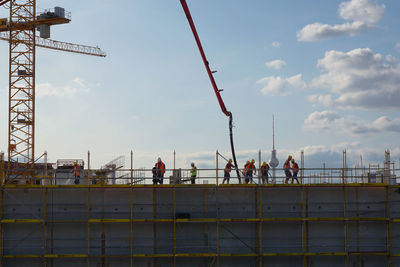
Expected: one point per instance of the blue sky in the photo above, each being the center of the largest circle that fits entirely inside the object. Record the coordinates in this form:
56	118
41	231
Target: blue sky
328	70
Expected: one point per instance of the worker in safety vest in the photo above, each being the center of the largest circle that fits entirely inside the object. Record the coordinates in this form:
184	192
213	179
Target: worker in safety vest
264	172
193	173
244	171
77	173
154	172
286	168
227	171
295	170
160	170
250	168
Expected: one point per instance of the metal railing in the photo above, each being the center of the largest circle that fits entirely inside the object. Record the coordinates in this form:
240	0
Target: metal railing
306	176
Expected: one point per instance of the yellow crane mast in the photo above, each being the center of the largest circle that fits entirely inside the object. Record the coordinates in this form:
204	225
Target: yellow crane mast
20	30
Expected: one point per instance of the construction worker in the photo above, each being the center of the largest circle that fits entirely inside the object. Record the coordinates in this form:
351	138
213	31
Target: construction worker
295	170
244	171
250	168
227	171
154	172
77	173
286	168
193	173
160	170
264	172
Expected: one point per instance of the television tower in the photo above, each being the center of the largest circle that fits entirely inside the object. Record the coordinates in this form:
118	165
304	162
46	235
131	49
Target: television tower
273	162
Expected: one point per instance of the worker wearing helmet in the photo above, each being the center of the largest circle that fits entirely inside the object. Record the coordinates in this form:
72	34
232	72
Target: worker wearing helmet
160	170
264	172
227	171
193	173
286	169
77	173
250	168
295	170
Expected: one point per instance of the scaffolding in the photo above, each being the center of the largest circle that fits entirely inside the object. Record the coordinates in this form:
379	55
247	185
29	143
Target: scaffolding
166	225
333	218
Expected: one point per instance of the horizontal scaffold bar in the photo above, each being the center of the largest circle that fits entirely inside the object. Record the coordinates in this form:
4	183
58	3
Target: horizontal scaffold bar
201	220
31	186
204	255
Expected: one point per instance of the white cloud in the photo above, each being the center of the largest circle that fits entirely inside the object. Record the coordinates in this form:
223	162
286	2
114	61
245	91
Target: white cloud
361	14
333	122
398	45
296	81
47	89
275	64
276	85
325	100
360	79
318	31
361	10
276	44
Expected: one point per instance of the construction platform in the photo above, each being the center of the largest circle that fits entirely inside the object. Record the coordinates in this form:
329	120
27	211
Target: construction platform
200	225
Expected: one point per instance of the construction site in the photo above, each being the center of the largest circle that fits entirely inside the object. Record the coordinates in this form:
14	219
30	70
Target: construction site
53	215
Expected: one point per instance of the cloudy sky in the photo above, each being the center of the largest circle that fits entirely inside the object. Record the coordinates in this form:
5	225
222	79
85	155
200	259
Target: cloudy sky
328	70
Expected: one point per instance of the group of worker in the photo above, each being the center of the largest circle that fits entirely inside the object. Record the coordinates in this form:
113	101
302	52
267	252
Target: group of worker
159	171
248	171
295	170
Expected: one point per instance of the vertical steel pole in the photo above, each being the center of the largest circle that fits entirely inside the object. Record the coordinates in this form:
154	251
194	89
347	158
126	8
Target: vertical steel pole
44	223
88	176
89	208
259	167
46	180
174	160
2	170
174	210
131	225
216	168
260	217
131	167
302	167
389	226
346	224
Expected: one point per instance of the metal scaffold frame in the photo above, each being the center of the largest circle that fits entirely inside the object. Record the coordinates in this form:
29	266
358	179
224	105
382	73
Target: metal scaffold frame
255	247
22	84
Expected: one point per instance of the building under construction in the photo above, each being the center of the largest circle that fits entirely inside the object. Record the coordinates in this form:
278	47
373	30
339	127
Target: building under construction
334	217
50	216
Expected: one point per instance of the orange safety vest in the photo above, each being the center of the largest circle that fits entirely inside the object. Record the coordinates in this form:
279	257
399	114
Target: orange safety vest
160	166
76	170
250	167
264	168
286	165
295	167
228	167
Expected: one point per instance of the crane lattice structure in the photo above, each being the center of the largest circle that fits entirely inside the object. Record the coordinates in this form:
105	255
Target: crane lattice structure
20	31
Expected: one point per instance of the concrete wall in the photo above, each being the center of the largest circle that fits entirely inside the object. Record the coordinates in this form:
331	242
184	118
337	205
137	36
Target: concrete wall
244	225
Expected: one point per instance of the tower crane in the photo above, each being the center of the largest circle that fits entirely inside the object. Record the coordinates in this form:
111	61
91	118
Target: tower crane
213	83
20	31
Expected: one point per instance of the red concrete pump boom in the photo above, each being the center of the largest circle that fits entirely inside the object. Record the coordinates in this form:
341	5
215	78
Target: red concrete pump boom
214	84
3	2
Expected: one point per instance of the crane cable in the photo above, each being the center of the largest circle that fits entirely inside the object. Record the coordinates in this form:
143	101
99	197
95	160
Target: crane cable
214	84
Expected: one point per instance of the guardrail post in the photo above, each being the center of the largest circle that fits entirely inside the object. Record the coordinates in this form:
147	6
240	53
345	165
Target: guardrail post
2	168
216	168
88	172
131	167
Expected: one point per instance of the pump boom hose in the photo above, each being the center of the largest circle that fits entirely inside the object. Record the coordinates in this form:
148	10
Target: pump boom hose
214	84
